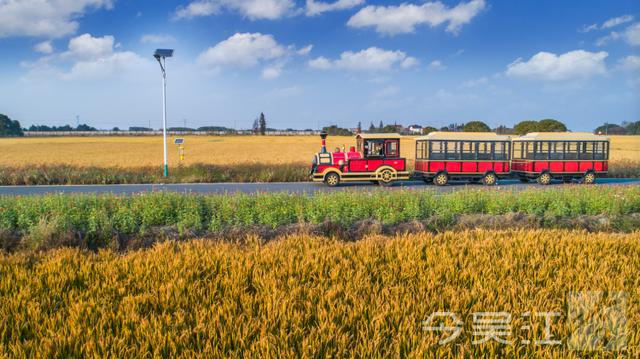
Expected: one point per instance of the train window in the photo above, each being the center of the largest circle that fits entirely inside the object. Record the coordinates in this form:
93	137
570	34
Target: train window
555	151
599	151
452	150
518	152
529	150
436	150
392	147
586	150
467	150
374	148
419	150
484	150
542	150
571	151
501	151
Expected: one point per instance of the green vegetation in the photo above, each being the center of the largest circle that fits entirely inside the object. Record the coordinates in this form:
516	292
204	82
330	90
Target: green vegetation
476	126
306	296
197	173
122	222
627	128
9	128
546	125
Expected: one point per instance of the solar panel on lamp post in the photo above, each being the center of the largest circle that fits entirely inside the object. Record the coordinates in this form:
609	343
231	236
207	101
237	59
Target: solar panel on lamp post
161	55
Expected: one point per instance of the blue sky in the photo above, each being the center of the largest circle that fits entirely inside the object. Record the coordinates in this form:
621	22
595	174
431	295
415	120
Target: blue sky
308	64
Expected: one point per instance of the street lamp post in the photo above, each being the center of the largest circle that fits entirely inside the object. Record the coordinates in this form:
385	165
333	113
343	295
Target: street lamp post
161	55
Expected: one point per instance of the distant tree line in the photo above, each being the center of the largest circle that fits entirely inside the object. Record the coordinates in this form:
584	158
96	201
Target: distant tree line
9	128
65	128
626	128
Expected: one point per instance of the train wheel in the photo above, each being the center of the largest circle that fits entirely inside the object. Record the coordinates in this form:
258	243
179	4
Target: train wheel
490	179
544	179
441	179
386	178
332	179
589	178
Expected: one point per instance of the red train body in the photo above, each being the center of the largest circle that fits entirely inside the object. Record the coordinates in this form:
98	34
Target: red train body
486	157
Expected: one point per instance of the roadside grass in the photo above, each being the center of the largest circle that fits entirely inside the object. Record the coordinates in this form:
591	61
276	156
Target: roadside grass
308	296
124	222
197	173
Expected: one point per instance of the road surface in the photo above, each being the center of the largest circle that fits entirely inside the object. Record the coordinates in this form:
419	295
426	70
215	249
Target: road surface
292	187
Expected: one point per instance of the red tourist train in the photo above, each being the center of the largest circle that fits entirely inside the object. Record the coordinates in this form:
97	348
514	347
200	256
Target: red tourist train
475	157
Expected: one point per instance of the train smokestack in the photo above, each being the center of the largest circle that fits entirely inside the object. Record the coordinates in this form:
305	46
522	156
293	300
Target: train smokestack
323	136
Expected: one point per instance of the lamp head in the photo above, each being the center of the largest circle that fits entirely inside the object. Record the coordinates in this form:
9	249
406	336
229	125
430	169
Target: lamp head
163	53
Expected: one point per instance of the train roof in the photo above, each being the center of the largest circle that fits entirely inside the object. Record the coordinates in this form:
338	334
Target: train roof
561	136
464	136
378	135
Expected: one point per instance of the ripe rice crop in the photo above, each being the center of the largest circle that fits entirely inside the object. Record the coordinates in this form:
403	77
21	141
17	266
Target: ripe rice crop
137	152
307	296
94	222
122	160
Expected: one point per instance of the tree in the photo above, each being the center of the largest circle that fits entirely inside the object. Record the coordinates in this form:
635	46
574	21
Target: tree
428	129
610	129
263	124
336	131
140	129
380	126
389	129
372	128
115	129
85	127
9	128
256	126
633	128
359	129
524	127
551	125
476	126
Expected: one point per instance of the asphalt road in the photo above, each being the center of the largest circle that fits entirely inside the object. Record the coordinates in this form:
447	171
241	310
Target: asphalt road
292	187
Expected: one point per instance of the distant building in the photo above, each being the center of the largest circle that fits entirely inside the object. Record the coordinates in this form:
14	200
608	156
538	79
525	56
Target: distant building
415	129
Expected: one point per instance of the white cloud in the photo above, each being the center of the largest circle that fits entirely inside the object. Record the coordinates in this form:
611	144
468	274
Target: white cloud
436	65
371	59
87	57
157	39
404	18
578	64
87	47
271	72
305	50
243	50
613	22
318	7
44	47
631	35
616	21
320	63
629	63
249	50
252	9
50	18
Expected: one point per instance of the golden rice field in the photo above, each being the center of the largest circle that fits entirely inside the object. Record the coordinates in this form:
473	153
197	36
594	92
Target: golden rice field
131	152
316	297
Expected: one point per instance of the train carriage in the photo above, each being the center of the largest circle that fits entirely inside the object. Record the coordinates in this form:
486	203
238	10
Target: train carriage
544	156
375	158
472	156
